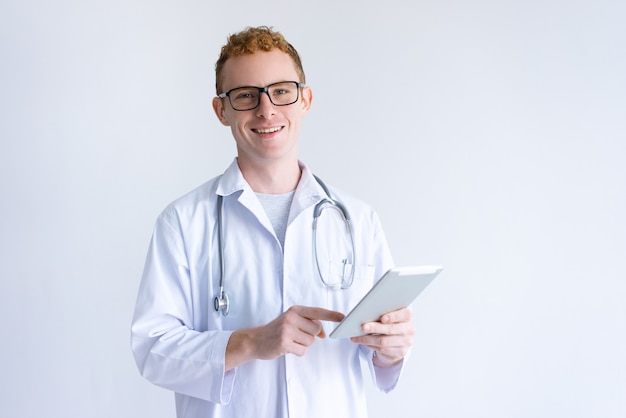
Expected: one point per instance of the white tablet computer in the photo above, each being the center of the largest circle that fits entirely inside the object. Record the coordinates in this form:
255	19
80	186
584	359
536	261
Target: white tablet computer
397	289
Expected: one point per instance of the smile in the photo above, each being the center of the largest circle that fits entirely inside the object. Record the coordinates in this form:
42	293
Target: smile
268	130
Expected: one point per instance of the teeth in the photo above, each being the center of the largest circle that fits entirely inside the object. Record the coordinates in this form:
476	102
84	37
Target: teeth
268	131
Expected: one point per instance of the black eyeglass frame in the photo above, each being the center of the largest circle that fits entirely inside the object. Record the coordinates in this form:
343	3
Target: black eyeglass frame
261	91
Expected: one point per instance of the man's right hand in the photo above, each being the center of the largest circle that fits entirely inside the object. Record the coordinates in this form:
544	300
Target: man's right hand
291	333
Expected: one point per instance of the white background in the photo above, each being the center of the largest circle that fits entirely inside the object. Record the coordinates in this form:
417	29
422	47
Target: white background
489	135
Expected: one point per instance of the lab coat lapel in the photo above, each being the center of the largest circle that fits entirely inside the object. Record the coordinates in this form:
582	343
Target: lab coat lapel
233	183
308	193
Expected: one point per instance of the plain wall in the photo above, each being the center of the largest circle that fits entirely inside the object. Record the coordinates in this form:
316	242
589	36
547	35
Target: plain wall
489	135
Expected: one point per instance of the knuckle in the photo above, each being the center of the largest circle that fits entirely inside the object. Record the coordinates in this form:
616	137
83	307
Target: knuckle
383	342
290	317
284	340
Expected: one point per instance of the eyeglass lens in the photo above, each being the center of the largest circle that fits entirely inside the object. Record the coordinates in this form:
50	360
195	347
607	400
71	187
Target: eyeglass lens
280	94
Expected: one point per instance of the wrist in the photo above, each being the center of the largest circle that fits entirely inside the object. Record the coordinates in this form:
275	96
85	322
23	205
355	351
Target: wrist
238	350
381	360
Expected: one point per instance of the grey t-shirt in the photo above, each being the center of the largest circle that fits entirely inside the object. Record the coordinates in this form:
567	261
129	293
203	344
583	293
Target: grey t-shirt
277	208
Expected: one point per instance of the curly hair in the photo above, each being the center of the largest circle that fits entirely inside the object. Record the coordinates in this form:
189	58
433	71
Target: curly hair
251	40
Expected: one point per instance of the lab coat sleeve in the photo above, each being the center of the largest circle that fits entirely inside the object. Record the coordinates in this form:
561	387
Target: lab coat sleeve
386	378
167	350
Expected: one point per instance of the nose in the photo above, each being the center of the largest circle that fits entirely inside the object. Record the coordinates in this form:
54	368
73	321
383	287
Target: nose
266	108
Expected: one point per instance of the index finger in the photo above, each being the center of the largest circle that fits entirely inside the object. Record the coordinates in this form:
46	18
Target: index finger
320	314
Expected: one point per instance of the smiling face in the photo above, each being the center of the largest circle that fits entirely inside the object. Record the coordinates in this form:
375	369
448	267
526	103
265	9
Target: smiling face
268	134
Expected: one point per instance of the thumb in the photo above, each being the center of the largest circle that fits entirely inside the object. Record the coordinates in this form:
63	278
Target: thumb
322	333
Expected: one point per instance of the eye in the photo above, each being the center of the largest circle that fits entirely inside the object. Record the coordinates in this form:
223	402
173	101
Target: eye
244	95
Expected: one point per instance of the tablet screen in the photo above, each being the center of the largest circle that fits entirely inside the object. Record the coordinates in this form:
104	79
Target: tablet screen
397	289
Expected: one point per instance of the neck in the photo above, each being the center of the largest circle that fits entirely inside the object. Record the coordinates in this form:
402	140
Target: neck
271	178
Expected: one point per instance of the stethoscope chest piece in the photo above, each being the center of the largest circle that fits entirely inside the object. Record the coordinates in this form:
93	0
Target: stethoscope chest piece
222	303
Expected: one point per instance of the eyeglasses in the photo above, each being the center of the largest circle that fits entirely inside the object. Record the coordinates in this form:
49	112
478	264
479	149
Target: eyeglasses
282	93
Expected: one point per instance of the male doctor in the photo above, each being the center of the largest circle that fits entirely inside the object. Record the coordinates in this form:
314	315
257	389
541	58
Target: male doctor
264	352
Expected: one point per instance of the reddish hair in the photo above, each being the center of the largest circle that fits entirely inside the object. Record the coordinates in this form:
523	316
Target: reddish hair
251	40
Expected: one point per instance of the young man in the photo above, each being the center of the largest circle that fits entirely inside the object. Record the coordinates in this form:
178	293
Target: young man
237	284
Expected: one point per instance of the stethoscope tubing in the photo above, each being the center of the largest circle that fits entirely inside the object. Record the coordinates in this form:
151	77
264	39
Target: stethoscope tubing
222	301
340	208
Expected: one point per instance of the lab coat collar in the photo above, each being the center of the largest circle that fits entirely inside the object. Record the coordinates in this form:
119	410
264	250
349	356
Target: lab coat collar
308	192
233	181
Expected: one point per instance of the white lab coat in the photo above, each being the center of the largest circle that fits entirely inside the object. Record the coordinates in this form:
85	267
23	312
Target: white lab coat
179	341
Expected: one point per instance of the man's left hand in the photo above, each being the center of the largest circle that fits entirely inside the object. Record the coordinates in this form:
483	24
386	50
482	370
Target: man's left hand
391	337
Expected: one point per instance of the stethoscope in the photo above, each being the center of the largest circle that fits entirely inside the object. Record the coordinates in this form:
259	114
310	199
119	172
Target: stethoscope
222	301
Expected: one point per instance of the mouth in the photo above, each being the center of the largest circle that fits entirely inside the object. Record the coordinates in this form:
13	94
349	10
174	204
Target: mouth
267	130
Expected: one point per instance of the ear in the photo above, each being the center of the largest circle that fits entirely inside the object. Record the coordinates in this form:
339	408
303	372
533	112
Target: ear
220	112
307	98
